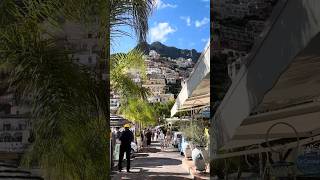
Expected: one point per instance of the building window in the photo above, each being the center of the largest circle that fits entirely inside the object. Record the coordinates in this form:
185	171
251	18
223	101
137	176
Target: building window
22	127
5	137
89	35
90	59
17	137
6	127
84	46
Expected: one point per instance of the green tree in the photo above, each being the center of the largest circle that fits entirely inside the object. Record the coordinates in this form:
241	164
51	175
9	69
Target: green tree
133	97
163	110
69	105
65	101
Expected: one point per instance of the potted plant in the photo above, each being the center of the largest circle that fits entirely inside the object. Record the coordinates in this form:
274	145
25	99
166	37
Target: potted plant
199	140
186	145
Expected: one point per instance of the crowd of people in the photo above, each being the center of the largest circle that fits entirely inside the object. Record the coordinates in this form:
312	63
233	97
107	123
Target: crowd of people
126	137
156	134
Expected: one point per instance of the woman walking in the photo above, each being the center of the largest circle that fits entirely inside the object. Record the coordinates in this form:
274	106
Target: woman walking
162	140
168	138
148	136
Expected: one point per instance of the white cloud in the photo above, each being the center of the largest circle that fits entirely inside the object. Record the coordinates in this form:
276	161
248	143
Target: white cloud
204	40
202	22
187	19
161	5
160	32
191	44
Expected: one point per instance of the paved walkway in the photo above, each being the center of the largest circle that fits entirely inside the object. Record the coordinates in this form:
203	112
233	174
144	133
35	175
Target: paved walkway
154	164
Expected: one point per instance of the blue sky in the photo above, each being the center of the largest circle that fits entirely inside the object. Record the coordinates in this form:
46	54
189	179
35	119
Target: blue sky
184	24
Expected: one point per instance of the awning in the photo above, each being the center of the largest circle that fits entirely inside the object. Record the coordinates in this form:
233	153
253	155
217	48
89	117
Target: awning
117	121
279	83
175	119
196	91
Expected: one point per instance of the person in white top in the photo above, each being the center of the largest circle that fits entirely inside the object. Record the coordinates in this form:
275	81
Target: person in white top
161	138
168	138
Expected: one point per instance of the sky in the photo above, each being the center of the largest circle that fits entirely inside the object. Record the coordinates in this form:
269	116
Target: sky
184	24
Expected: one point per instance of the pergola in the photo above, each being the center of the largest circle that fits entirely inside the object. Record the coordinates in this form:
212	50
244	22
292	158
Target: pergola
195	92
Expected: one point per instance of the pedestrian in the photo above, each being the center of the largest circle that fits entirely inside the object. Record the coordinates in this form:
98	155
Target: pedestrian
118	133
152	134
157	134
145	137
168	138
148	136
161	138
142	136
125	147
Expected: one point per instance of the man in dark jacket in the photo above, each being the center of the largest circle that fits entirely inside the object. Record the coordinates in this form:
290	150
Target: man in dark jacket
125	147
148	136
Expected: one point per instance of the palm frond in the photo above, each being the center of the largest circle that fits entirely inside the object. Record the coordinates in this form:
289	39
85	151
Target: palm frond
138	110
67	112
120	80
133	13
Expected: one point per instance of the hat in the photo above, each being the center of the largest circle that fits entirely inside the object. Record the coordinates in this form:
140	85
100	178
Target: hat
127	126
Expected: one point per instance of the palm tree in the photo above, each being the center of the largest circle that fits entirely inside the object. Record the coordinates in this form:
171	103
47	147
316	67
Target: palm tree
133	13
69	105
121	65
65	104
133	97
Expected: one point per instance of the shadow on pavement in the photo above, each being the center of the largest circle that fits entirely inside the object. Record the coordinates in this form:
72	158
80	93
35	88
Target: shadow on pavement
140	155
149	150
145	175
165	174
155	161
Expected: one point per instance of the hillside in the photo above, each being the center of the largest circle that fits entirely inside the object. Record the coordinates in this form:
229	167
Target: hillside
167	51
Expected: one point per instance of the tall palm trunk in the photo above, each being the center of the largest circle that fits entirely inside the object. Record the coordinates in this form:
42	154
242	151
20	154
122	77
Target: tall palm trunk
104	67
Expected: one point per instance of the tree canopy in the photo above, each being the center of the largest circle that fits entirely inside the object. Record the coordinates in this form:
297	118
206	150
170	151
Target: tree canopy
69	105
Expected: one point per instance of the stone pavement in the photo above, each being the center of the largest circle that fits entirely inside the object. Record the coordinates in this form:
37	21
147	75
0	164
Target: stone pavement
154	164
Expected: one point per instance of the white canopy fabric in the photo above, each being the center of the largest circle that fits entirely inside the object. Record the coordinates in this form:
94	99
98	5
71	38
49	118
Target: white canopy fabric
175	119
196	91
279	83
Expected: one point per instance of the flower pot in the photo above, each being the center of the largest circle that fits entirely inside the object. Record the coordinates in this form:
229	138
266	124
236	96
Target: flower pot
205	153
198	159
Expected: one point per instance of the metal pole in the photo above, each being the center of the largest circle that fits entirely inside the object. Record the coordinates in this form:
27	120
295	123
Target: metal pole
260	163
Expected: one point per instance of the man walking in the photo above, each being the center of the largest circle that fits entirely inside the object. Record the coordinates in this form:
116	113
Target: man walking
148	136
125	147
